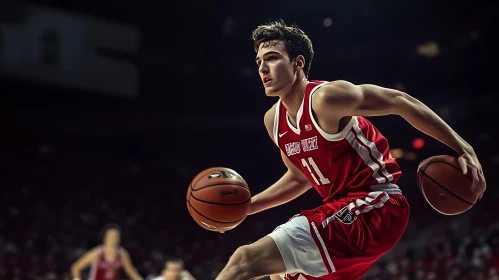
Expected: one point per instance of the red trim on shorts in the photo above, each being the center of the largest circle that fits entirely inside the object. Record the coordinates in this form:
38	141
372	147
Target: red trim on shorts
321	249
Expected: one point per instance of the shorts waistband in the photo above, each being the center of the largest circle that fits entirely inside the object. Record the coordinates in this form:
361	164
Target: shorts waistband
388	188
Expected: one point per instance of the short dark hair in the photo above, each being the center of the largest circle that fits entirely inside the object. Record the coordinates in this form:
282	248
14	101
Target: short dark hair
109	227
296	41
174	260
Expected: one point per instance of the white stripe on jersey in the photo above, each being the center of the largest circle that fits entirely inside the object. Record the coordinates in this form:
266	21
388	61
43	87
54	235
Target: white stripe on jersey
374	151
364	154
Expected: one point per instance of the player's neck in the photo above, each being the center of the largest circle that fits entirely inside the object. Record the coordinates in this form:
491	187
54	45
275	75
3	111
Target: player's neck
110	248
292	101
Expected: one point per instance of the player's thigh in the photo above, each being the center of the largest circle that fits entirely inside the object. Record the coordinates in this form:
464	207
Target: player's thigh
275	277
301	248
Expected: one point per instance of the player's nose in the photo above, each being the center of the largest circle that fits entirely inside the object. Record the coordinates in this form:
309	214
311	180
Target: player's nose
263	68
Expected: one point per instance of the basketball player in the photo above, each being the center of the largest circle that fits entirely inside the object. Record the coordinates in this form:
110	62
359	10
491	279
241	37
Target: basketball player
174	270
327	144
107	259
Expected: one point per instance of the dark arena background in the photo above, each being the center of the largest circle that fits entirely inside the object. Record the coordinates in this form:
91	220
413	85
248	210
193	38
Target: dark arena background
109	110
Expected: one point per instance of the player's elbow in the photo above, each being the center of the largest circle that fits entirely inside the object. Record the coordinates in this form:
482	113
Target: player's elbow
403	105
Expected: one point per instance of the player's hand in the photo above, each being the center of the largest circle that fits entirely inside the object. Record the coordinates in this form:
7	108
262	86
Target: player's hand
469	163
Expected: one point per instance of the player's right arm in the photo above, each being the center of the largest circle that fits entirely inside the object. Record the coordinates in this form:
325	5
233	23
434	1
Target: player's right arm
290	186
83	262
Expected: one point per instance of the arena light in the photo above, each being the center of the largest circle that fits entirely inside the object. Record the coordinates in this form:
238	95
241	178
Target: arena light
327	22
429	49
410	156
397	153
418	143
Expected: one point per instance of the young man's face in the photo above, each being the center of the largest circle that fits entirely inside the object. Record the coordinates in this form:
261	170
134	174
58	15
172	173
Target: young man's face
276	71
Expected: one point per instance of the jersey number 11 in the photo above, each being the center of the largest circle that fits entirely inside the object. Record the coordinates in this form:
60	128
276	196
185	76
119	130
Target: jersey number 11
323	180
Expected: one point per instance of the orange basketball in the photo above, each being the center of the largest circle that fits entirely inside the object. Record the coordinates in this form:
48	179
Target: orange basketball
218	199
444	186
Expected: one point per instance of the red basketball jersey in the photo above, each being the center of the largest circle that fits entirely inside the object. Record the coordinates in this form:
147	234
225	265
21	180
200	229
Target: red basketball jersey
105	269
347	163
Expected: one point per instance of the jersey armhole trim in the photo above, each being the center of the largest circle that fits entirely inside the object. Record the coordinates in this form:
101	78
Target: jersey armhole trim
276	122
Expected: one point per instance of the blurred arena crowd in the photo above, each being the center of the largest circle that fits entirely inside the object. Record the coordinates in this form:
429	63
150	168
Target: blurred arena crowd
56	197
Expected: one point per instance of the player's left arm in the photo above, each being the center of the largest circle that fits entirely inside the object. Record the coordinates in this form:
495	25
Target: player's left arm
130	270
341	98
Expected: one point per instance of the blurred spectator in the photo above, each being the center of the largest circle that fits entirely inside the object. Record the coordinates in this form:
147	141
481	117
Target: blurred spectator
174	270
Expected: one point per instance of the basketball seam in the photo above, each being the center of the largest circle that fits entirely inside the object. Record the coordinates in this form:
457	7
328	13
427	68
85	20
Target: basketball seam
213	219
218	203
455	167
427	176
220	184
189	200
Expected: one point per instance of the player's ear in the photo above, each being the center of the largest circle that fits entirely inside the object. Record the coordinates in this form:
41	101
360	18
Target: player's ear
300	62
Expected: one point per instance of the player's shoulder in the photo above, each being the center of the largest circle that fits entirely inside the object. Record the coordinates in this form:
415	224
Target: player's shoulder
97	249
94	253
186	275
335	96
270	117
123	251
333	89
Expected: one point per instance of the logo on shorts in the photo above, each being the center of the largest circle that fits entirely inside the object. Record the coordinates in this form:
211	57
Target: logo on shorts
345	216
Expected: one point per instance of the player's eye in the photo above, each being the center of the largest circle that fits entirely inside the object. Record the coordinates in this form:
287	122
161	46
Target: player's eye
271	58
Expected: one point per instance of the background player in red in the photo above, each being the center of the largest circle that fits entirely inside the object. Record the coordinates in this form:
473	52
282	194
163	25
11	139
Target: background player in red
174	270
327	145
106	260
